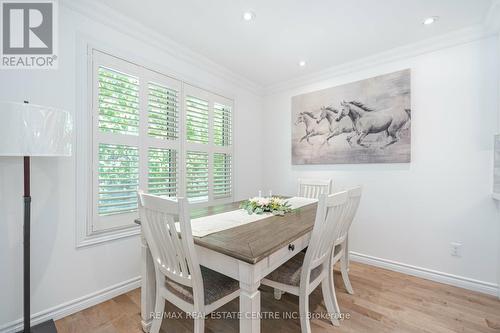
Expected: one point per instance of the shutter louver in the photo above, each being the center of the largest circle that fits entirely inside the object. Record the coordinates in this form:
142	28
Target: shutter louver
162	175
222	125
196	120
118	179
197	175
118	102
222	176
163	112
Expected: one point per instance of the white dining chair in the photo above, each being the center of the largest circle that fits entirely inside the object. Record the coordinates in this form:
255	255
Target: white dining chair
309	188
179	277
341	250
313	188
304	272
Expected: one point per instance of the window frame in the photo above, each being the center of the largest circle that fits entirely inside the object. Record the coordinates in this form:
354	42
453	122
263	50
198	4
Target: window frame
88	230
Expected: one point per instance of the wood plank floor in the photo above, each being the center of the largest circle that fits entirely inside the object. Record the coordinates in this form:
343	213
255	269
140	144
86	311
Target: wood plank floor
384	301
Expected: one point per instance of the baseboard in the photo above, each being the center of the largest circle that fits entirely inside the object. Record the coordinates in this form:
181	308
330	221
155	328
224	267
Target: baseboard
429	274
87	301
76	305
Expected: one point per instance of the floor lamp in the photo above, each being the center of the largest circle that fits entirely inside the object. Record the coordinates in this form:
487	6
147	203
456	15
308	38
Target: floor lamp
28	130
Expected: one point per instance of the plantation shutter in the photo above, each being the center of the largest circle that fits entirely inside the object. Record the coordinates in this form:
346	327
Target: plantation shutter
154	133
162	172
118	179
136	139
118	102
196	120
222	176
208	157
163	112
222	125
116	145
163	135
197	181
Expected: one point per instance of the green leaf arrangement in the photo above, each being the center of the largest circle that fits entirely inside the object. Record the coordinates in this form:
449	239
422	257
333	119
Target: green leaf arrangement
274	205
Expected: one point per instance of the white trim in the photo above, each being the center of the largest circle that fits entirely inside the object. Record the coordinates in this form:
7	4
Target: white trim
79	304
429	274
454	38
130	27
84	240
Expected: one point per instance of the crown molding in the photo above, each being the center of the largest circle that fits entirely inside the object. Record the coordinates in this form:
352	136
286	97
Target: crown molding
457	37
103	14
492	22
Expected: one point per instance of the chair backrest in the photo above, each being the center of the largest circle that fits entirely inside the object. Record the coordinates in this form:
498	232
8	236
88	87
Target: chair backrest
172	247
330	213
354	197
313	188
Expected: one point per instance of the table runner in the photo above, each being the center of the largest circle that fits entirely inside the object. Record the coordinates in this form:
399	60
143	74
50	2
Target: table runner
207	225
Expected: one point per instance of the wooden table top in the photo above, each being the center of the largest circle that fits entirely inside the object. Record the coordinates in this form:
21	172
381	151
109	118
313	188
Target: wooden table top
254	241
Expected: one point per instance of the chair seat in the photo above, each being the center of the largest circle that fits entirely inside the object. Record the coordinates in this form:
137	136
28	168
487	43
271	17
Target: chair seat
289	272
336	250
215	286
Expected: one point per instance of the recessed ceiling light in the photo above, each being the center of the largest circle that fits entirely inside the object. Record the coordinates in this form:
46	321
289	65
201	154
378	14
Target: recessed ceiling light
248	16
430	20
302	63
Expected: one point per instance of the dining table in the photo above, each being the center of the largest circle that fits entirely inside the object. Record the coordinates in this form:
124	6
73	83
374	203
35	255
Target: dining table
246	253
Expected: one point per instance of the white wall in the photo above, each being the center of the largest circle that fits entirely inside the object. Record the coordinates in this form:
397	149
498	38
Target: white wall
60	272
411	212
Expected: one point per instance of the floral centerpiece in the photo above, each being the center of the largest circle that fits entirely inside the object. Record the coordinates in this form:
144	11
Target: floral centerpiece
260	205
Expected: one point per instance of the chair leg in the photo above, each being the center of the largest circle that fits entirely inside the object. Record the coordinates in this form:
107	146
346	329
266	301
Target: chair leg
159	308
277	294
332	306
304	313
344	269
199	325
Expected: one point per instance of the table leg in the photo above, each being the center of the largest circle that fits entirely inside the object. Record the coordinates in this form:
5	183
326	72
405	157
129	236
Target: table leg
249	308
249	299
148	285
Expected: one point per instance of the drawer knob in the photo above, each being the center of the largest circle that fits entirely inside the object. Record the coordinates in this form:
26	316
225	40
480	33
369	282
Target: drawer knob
291	247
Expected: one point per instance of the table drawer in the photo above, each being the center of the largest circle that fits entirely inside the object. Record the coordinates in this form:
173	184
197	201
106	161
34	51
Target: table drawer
288	251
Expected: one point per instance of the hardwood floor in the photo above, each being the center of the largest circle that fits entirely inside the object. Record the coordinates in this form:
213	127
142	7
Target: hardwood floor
384	301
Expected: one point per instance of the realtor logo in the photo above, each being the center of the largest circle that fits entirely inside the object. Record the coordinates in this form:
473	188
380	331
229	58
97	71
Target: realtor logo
28	34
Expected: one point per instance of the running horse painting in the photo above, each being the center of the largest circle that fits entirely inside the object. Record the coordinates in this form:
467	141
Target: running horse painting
367	121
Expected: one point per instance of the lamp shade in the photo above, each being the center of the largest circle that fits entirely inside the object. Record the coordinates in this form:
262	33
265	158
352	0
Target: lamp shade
34	130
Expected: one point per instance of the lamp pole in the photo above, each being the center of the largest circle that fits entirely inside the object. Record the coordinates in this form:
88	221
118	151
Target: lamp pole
27	236
27	247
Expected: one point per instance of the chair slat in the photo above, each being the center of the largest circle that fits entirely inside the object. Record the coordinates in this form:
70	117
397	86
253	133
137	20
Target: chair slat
313	188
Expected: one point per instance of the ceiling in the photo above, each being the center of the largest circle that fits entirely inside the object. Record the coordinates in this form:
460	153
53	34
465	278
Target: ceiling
324	33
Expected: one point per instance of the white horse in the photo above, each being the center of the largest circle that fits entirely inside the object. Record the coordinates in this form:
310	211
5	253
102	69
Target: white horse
336	127
367	121
312	126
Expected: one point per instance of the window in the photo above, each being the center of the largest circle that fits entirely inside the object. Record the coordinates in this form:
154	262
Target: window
208	122
118	179
197	176
136	141
196	120
162	172
154	133
222	176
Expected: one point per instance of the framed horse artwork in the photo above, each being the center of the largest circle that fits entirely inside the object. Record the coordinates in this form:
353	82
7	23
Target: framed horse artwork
367	121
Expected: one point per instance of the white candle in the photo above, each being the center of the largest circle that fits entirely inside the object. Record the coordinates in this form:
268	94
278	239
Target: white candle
260	194
270	193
